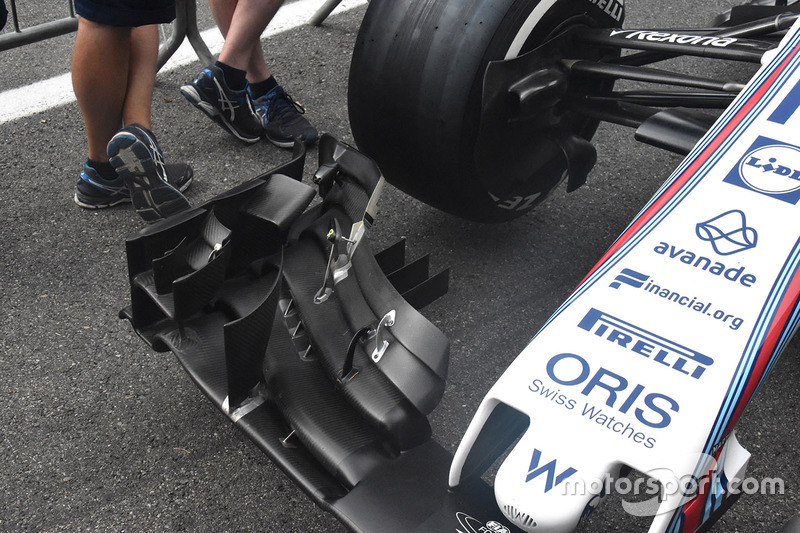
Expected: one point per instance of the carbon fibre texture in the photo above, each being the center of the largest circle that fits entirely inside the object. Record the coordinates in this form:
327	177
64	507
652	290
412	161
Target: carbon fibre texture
230	288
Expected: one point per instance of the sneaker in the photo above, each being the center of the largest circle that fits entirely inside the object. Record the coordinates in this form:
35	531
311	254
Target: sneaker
283	119
233	110
94	192
138	160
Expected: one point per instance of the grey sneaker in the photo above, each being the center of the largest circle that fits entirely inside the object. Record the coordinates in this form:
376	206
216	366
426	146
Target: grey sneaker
283	119
232	110
138	160
94	192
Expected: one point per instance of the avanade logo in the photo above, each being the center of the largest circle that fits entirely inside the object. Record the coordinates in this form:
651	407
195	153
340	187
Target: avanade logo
728	233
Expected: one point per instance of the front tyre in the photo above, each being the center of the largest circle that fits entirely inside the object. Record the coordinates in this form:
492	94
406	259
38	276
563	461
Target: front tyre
415	96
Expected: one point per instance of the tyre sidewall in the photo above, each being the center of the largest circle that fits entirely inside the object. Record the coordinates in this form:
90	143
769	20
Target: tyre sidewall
415	91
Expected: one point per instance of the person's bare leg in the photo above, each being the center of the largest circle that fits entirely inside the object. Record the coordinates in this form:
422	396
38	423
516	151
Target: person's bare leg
134	151
100	81
242	22
222	10
142	67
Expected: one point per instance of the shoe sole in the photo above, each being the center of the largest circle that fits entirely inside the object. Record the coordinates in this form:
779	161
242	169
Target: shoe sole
186	184
283	143
194	98
90	204
152	197
86	205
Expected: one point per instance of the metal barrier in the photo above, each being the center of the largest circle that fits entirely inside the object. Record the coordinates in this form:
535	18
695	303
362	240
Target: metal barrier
323	12
184	26
39	32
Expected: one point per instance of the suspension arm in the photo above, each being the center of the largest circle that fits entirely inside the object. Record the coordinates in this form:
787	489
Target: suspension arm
650	75
703	100
709	46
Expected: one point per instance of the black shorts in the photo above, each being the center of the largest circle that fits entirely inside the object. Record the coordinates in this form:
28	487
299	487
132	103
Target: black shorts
126	13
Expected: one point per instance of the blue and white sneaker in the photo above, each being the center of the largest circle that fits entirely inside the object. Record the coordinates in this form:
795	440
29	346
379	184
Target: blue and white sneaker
232	110
138	160
283	120
94	192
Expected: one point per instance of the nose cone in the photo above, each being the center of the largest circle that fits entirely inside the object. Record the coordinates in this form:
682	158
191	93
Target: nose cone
544	490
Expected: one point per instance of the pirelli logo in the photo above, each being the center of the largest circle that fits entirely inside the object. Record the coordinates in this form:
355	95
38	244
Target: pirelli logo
646	344
613	8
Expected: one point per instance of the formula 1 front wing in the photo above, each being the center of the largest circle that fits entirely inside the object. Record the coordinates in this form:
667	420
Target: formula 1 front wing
310	343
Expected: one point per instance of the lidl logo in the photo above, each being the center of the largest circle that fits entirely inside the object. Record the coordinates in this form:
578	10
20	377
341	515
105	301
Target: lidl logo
771	168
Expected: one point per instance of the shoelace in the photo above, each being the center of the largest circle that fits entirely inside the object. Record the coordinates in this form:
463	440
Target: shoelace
280	104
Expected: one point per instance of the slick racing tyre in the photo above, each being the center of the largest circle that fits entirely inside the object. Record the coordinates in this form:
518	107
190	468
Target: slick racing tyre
415	95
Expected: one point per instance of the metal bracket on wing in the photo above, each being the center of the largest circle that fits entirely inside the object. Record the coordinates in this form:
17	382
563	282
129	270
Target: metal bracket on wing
339	259
363	335
381	344
338	162
349	371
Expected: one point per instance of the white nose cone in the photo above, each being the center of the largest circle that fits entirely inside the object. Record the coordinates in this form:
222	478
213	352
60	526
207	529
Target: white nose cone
539	490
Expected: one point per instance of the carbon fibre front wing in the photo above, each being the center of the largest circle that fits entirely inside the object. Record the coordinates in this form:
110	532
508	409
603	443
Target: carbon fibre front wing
312	345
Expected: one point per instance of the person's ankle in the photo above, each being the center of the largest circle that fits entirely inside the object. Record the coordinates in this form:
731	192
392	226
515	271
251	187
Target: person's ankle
104	169
235	78
261	88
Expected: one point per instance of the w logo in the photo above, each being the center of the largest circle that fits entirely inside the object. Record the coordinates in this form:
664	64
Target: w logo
553	479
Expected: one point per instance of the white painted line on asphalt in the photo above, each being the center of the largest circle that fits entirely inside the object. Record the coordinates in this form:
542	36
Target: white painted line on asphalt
46	94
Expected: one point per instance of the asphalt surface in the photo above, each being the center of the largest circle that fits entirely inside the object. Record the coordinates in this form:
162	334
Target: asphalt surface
99	433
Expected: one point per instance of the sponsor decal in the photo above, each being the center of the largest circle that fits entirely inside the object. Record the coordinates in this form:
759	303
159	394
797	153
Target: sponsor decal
629	277
704	264
552	478
674	38
646	344
496	527
467	524
628	410
613	8
617	392
593	413
637	280
771	168
553	394
728	233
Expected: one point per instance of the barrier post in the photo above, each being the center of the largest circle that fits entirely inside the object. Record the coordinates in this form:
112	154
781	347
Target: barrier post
185	26
323	12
